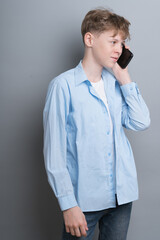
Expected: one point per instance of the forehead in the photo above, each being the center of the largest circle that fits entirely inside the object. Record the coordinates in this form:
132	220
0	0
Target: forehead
116	34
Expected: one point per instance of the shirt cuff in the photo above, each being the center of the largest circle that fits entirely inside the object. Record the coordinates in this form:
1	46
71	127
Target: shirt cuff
129	89
67	202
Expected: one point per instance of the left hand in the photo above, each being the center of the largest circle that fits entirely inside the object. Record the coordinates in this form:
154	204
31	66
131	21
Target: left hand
121	75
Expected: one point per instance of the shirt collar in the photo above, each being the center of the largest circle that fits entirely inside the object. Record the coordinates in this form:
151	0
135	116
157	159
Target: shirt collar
80	75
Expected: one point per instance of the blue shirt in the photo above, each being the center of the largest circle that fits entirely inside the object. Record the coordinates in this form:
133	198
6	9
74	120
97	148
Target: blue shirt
78	144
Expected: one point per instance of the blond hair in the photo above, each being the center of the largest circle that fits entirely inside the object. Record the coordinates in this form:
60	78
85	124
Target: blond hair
100	20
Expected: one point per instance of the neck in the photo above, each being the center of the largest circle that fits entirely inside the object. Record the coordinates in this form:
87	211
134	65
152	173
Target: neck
92	70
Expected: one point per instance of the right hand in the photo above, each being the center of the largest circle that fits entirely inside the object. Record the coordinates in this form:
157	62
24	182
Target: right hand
75	222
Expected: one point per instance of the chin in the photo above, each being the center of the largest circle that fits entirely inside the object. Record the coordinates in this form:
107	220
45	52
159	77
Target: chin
109	65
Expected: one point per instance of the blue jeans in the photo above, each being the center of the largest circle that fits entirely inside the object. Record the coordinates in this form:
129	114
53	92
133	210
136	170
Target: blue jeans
113	223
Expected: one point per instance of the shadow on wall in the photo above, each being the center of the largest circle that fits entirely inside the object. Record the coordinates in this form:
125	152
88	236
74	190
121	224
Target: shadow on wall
45	205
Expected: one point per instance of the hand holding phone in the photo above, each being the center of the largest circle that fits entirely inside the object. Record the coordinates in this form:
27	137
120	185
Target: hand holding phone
125	57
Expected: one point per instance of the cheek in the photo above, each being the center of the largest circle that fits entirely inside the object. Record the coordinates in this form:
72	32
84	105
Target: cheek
98	52
105	48
102	51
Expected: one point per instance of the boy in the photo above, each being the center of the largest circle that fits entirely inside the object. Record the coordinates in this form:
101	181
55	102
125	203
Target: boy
88	158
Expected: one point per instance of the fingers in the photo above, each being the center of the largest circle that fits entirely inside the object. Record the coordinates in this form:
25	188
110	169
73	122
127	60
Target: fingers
75	222
67	229
85	223
127	47
73	231
77	231
83	231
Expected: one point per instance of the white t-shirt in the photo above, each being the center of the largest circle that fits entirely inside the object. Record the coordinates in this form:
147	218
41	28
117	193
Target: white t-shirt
99	87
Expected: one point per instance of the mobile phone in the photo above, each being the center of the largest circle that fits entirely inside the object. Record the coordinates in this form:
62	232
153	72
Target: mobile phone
125	57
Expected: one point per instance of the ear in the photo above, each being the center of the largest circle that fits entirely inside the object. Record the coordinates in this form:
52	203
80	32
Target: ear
88	39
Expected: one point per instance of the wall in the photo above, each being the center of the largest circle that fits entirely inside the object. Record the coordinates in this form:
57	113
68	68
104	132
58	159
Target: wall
39	40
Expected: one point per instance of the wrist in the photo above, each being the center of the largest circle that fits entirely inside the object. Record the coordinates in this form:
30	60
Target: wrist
69	209
124	79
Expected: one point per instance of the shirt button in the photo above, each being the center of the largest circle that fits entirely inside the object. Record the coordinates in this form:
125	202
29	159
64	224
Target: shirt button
108	133
109	154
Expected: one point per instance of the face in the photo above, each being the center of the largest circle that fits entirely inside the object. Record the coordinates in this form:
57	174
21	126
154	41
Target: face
106	49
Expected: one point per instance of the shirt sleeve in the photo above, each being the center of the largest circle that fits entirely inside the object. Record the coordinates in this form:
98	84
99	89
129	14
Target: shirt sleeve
135	113
54	150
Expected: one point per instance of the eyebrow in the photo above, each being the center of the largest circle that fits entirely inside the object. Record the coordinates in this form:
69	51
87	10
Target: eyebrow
117	39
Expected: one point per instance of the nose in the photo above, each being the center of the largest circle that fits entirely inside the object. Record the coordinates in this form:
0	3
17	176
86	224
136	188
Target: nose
118	49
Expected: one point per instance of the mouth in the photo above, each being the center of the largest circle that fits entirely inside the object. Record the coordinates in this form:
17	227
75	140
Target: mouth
115	59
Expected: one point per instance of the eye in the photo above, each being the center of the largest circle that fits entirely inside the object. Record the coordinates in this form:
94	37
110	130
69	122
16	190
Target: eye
113	42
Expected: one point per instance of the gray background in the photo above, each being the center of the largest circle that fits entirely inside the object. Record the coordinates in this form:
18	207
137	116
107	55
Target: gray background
39	40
